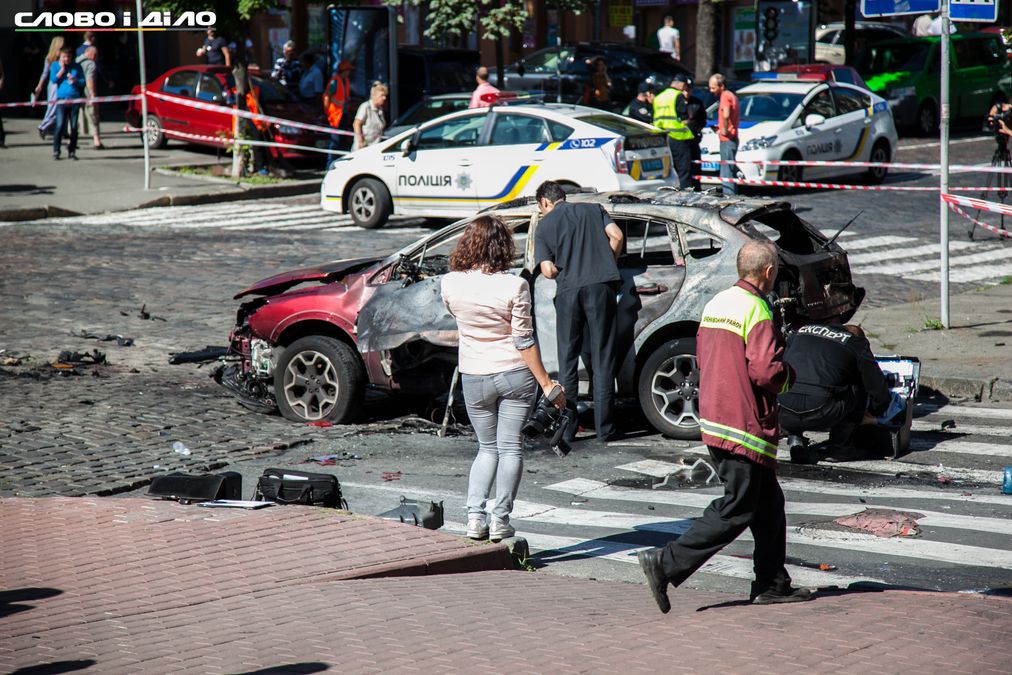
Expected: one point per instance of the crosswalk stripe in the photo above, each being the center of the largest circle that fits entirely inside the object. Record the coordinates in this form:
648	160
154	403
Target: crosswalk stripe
804	485
968	411
932	423
922	265
312	222
695	499
961	447
960	554
928	249
962	275
876	242
723	565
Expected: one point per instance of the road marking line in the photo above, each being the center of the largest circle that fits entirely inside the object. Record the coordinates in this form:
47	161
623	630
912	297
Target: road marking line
969	411
920	266
961	447
991	273
935	144
929	425
695	499
311	222
823	488
722	565
927	249
877	242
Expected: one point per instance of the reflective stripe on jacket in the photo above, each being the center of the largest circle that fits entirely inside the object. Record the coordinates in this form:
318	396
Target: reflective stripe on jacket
741	367
666	115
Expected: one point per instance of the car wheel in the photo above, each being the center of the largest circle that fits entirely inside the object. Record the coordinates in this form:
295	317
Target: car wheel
927	119
669	389
319	378
369	203
880	156
791	174
153	130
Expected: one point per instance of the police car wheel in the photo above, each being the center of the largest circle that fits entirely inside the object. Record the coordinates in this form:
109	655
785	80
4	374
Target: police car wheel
791	174
319	378
369	203
879	155
669	389
153	130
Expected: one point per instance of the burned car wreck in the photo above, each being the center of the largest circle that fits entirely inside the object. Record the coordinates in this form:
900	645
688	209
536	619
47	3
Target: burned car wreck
310	342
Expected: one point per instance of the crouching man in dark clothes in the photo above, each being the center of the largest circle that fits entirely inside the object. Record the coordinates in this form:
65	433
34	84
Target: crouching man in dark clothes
839	382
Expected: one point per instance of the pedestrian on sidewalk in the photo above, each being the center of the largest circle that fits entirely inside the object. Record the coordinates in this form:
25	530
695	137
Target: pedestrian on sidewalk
89	119
578	246
500	366
483	87
46	125
741	367
728	119
69	78
335	98
369	121
288	69
214	50
669	40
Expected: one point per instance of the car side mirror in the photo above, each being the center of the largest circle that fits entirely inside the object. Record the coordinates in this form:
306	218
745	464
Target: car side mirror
814	120
408	146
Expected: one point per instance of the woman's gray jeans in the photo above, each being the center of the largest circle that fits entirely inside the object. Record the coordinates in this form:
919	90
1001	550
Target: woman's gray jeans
498	406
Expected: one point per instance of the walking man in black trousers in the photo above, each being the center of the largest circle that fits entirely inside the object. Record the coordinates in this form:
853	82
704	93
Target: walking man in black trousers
578	245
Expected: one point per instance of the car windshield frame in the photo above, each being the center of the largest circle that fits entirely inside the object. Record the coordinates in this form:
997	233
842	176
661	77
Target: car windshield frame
781	99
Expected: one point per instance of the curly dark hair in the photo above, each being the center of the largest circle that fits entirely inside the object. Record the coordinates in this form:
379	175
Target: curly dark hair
486	245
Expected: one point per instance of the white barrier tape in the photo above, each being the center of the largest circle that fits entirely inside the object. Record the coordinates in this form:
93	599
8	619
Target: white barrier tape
955	168
70	101
234	112
979	204
711	180
229	140
991	228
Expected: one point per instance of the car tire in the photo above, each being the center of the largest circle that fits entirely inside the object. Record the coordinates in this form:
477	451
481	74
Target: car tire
927	119
791	174
668	389
319	378
156	135
369	203
879	155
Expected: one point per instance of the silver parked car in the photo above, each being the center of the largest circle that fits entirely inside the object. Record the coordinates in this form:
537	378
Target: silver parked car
829	39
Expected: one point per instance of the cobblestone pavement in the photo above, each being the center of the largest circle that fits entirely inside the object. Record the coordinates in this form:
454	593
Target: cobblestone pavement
109	427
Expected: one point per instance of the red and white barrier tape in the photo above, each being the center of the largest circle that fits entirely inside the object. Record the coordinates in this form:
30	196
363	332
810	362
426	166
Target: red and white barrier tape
234	112
991	228
891	165
979	204
220	140
229	140
70	101
711	180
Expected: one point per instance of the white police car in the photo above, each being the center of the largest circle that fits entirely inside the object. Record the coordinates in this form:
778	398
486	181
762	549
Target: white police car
786	118
468	160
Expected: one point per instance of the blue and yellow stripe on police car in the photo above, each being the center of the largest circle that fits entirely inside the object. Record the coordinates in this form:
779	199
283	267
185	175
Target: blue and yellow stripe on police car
512	190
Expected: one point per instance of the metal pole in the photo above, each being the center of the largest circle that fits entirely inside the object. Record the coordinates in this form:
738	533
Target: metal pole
144	101
944	161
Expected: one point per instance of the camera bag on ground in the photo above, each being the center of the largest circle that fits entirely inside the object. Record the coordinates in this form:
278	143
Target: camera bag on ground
285	486
197	488
412	512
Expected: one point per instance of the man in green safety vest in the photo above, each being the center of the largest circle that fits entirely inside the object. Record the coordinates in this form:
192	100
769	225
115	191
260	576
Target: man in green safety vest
671	112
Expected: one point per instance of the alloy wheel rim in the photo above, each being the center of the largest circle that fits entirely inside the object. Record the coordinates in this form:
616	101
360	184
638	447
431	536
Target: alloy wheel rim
878	156
674	390
152	131
363	203
310	385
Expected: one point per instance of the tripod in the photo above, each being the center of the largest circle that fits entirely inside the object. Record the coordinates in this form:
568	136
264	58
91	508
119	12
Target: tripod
1000	181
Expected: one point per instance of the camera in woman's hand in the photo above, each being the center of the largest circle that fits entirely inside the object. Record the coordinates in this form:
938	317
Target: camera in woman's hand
547	420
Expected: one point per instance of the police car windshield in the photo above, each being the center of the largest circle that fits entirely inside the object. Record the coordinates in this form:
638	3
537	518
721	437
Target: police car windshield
767	106
905	56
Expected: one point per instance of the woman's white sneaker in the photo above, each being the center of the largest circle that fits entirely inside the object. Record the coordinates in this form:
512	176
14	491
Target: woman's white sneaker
477	529
500	530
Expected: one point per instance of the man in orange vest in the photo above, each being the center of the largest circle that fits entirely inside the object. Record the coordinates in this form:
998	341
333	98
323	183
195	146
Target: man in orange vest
335	97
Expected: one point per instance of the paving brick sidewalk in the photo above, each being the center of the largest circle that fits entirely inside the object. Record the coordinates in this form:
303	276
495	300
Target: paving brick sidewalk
135	586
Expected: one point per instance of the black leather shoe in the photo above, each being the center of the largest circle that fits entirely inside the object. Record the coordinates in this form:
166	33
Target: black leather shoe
800	454
650	563
774	597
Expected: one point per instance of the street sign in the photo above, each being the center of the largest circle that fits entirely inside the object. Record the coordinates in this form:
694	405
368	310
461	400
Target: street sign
984	11
872	8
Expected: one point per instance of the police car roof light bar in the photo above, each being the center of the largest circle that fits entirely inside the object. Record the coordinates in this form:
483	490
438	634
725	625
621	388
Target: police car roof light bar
513	97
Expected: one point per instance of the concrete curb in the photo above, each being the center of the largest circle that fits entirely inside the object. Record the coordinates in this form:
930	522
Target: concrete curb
979	389
35	213
479	558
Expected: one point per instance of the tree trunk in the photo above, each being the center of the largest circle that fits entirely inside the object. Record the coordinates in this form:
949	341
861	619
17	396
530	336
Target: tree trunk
239	74
706	43
498	62
849	33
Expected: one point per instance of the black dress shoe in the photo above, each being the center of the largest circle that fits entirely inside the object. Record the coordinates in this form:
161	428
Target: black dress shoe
56	156
650	563
774	597
72	155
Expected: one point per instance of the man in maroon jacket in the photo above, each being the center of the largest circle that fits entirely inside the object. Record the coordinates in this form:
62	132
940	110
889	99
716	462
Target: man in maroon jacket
741	367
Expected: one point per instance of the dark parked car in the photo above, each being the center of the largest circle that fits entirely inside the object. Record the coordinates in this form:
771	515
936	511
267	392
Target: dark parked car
429	72
309	342
428	109
628	66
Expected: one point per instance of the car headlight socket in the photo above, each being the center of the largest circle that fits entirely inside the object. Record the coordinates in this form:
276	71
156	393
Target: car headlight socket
759	143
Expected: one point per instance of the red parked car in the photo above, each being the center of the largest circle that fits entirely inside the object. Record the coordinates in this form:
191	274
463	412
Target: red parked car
215	85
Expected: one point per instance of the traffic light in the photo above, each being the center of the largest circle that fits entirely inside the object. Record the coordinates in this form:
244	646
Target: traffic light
771	27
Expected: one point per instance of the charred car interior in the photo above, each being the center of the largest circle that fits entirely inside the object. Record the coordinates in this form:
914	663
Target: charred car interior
310	342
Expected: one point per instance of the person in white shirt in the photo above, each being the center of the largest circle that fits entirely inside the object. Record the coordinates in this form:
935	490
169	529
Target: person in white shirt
500	366
669	39
921	26
369	121
936	26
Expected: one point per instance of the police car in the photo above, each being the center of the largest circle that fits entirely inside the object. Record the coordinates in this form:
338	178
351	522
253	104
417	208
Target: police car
472	159
787	117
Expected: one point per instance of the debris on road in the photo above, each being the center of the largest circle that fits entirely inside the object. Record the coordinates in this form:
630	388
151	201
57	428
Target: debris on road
10	358
421	514
120	340
391	475
329	460
883	522
72	358
208	353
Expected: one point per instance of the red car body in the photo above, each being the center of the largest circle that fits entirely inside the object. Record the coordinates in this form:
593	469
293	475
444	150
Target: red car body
214	85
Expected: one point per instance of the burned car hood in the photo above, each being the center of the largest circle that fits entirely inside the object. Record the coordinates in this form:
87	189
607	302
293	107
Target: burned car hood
324	273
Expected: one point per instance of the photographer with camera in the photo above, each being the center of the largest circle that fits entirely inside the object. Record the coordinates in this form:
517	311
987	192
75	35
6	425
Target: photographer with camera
999	119
500	366
839	386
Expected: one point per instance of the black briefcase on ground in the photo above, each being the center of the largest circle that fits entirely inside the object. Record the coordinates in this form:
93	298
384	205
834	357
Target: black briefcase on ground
412	512
285	486
197	488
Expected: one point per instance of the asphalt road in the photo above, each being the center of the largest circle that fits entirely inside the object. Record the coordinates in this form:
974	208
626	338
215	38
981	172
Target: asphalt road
111	427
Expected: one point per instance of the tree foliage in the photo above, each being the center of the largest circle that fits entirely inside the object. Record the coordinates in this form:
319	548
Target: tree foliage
453	20
230	13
